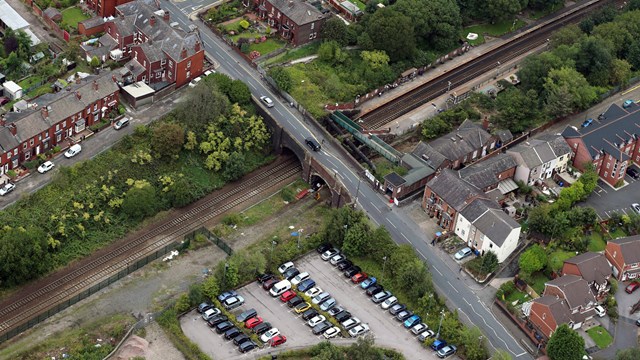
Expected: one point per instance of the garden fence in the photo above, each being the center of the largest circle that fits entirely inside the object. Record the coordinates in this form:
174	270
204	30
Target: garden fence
219	242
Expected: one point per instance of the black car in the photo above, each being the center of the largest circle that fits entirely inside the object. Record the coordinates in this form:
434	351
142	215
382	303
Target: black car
231	333
633	173
291	273
264	277
240	339
217	320
395	309
223	327
343	316
374	289
322	248
344	265
351	271
247	346
295	301
320	328
404	315
312	144
308	314
335	310
262	328
246	315
205	306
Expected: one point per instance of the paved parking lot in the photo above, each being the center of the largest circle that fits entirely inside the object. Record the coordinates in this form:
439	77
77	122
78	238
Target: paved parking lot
605	200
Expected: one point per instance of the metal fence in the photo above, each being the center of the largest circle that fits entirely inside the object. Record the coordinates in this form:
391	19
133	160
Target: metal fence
219	242
129	268
372	141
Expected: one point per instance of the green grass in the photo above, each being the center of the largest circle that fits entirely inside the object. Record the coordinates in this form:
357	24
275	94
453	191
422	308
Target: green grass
618	233
29	82
601	337
267	46
494	30
293	54
557	258
537	282
270	206
360	5
384	167
596	242
518	295
234	26
72	16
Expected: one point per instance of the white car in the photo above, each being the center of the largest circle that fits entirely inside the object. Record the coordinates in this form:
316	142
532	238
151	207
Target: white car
419	328
210	313
121	123
313	292
320	298
636	207
7	188
359	330
389	302
463	253
336	259
316	320
426	335
73	151
269	334
45	167
195	82
299	278
284	267
209	72
267	101
351	323
600	311
331	332
329	254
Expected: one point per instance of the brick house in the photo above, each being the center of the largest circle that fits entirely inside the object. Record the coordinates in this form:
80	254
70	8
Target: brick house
493	176
418	174
540	158
92	26
296	21
609	144
624	256
157	53
594	268
105	8
52	118
566	300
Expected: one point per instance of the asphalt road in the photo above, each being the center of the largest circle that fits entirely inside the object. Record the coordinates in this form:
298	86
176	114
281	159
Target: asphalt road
606	201
460	297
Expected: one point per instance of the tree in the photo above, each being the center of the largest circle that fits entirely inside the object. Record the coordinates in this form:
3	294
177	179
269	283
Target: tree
497	10
235	166
327	351
239	93
95	62
517	110
183	192
383	28
335	29
375	59
23	254
620	72
489	262
363	349
202	105
12	65
535	69
24	44
435	127
474	343
331	53
589	179
616	36
211	287
630	353
339	221
167	139
532	260
565	344
140	201
566	90
436	23
356	240
282	78
594	60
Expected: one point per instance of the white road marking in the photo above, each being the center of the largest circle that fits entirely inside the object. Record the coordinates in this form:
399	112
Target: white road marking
404	236
392	224
436	269
420	252
454	289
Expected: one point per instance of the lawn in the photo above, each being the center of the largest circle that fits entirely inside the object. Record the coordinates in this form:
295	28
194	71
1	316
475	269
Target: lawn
384	167
601	337
267	46
557	258
29	82
619	233
596	242
72	16
293	54
234	26
360	5
538	281
494	30
518	295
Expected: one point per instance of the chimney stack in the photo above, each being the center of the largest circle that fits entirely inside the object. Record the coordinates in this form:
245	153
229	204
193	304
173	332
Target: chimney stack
3	122
45	112
196	47
166	15
113	77
183	53
95	85
290	3
78	79
485	123
78	95
13	129
152	20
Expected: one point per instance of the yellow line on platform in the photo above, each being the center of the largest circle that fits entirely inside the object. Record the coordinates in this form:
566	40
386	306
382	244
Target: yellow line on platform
630	90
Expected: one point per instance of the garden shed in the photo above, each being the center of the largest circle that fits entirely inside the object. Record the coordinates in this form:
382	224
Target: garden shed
12	90
53	14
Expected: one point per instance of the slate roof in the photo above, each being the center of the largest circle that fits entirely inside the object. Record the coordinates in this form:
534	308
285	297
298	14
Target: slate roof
504	135
52	13
152	53
468	138
593	267
7	140
427	153
483	174
478	207
496	225
541	150
453	190
93	22
618	125
299	11
630	248
576	290
394	179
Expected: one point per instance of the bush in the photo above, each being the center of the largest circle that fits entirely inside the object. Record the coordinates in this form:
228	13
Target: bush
168	320
232	219
287	194
183	304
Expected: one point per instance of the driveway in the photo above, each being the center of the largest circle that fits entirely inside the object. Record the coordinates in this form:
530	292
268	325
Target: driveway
605	200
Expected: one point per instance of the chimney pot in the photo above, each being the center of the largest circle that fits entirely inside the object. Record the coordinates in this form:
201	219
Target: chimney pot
166	15
78	79
183	53
196	47
95	85
13	129
152	20
45	112
78	95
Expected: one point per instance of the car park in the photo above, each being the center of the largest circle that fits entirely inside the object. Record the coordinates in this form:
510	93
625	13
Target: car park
121	123
312	144
262	328
633	173
463	253
320	328
215	320
280	287
246	315
331	332
344	265
381	296
223	327
277	340
359	277
73	151
291	273
426	335
374	289
404	315
320	298
446	351
313	291
395	309
267	101
267	285
7	188
412	321
306	285
302	307
359	330
389	302
309	314
295	301
209	313
328	304
247	346
269	334
227	294
351	323
46	166
370	281
351	271
253	322
316	320
632	287
335	310
324	247
417	329
231	333
343	316
204	307
336	259
287	295
299	278
329	254
241	338
284	267
587	122
636	207
262	278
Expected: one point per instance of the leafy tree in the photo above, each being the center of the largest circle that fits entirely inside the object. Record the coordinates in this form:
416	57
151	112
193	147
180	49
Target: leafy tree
356	240
535	69
335	29
497	10
566	90
570	195
381	243
589	179
383	28
545	4
533	259
167	139
339	221
594	60
376	59
10	42
282	78
565	344
239	93
617	37
327	351
404	254
517	110
436	23
568	35
630	353
474	343
435	127
235	166
331	53
489	262
12	65
634	55
140	201
182	192
620	72
451	328
95	62
363	350
24	44
23	254
201	106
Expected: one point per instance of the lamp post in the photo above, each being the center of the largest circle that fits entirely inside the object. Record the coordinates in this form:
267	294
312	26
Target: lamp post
439	326
384	264
224	274
355	201
273	244
299	234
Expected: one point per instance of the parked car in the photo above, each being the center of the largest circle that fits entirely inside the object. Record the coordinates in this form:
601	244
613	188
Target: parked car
246	315
320	298
253	322
7	188
309	314
195	82
231	333
46	166
313	292
284	267
329	254
267	101
306	285
204	307
312	144
280	287
4	100
335	310
287	295
293	302
412	321
359	277
223	327
331	332
302	307
351	323
600	311
241	338
246	346
316	320
404	315
267	285
336	259
262	328
233	302
73	151
627	104
426	335
291	273
417	329
321	327
215	320
372	290
370	281
344	265
227	294
277	340
359	330
633	173
446	351
269	334
121	123
209	313
389	302
262	278
632	287
351	271
324	247
209	72
343	316
438	344
395	309
328	304
381	296
636	207
299	278
638	322
587	122
463	253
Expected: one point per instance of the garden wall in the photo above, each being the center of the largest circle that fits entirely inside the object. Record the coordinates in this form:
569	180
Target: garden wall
63	34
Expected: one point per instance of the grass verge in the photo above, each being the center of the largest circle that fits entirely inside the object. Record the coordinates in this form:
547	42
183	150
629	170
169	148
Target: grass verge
494	30
601	337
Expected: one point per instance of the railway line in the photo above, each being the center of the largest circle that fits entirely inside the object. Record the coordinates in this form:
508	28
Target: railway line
483	64
48	293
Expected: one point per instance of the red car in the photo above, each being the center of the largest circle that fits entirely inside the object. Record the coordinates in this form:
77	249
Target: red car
632	287
359	277
253	322
288	295
267	285
278	340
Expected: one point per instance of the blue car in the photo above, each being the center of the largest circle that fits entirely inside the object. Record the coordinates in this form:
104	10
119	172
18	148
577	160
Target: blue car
412	321
627	103
226	295
368	283
306	285
587	122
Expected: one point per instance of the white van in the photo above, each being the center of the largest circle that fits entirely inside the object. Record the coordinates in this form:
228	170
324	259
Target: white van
73	151
280	287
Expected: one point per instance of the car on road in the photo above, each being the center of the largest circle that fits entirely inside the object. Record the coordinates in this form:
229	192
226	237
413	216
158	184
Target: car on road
328	304
299	278
329	254
267	285
419	328
253	322
632	287
246	346
351	323
412	321
310	314
269	334
404	315
312	144
336	259
227	294
316	320
351	271
121	123
306	285
267	101
321	327
426	335
587	122
262	328
370	281
233	302
73	151
313	292
46	166
633	173
636	207
343	316
395	309
195	82
359	277
286	266
627	104
7	188
294	301
331	332
344	265
246	315
215	320
204	307
209	313
291	273
320	298
223	327
389	302
463	253
277	340
446	351
381	296
372	290
302	307
288	295
231	333
359	330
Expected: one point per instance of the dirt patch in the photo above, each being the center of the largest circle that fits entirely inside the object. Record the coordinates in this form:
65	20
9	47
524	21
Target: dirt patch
153	346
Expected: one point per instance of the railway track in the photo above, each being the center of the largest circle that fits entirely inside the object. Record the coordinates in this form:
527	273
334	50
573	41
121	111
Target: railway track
46	294
483	64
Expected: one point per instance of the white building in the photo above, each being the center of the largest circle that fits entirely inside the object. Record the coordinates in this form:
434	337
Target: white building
12	90
540	158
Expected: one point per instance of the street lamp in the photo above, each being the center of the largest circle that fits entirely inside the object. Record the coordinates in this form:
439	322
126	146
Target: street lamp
273	244
384	264
224	274
355	201
439	326
299	234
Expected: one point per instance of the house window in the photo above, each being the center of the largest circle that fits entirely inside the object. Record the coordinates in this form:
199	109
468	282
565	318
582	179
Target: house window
607	165
145	63
24	146
57	127
95	107
163	61
544	316
27	156
15	152
490	245
189	65
313	25
170	63
606	174
31	142
575	145
135	54
188	74
561	157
